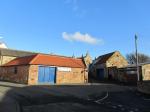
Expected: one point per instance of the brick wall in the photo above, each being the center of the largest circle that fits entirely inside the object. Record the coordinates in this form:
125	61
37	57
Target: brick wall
33	75
15	74
29	75
77	75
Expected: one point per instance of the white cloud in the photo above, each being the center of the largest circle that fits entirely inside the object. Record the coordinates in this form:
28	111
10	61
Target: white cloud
77	36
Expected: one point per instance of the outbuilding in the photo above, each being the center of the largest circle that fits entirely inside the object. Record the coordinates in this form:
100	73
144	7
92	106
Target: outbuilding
106	66
44	69
129	73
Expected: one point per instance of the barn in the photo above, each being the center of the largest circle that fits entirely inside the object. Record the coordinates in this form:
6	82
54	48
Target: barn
106	66
45	69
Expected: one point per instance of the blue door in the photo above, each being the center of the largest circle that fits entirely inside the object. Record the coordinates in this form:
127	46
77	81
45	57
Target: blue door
100	74
41	74
46	74
52	72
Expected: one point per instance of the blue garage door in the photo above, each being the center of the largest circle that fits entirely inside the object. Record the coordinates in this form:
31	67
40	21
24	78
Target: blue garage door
46	74
100	74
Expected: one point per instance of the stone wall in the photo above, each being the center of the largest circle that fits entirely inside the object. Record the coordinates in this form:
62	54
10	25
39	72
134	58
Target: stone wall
76	75
144	85
146	72
15	74
116	60
6	59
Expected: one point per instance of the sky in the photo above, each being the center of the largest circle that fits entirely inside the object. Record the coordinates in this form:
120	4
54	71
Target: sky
73	27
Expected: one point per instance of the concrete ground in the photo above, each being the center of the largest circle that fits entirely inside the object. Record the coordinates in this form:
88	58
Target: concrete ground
72	98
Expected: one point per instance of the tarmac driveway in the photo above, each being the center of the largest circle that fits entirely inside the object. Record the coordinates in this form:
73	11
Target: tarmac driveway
71	98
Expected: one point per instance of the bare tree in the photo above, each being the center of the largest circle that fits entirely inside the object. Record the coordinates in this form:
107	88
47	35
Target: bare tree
142	58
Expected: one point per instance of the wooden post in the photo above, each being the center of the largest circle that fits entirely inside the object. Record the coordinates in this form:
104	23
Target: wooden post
136	53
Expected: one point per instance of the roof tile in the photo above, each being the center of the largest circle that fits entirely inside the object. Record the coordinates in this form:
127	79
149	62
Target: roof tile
50	60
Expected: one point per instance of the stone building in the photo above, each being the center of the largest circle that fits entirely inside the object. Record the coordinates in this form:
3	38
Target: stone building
106	66
7	55
45	69
87	60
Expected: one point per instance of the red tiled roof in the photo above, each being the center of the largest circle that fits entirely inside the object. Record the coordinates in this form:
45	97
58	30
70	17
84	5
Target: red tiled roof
50	60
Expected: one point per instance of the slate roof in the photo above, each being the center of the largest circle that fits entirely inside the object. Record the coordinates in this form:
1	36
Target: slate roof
49	60
103	58
15	53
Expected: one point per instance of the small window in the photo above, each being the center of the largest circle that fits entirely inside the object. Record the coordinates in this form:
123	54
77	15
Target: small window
15	70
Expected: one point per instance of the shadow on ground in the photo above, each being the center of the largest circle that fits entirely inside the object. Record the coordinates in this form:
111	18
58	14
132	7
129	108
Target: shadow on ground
85	98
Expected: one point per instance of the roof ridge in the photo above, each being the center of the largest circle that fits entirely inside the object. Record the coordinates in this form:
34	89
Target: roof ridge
47	60
34	58
105	57
107	54
60	56
18	50
34	52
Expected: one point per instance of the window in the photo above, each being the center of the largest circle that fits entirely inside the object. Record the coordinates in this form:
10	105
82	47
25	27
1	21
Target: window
15	70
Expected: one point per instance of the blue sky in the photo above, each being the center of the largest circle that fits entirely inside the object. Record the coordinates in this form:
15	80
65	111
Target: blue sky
68	27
